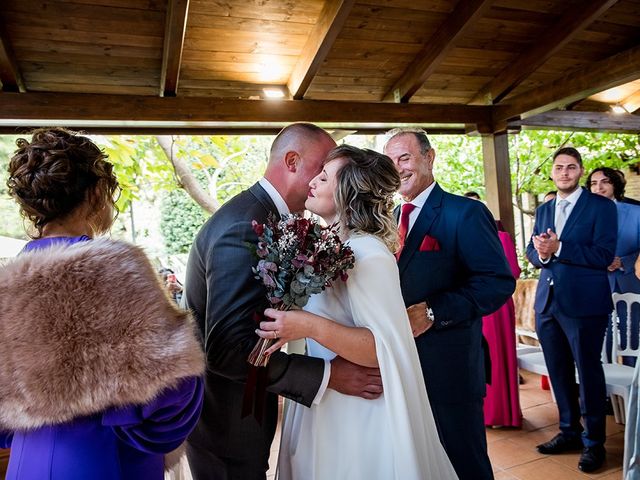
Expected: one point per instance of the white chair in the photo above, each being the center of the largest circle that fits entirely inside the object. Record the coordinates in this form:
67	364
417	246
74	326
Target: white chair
530	357
619	377
523	349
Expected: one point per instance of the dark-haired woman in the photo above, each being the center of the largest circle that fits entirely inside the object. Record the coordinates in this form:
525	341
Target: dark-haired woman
99	371
609	183
392	437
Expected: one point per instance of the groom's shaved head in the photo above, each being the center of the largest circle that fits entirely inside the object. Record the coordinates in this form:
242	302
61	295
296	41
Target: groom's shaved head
295	137
296	156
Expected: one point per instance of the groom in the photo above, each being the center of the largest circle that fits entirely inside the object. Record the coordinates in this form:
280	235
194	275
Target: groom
223	295
453	272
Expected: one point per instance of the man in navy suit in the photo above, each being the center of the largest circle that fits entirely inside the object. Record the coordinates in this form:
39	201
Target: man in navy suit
573	242
453	272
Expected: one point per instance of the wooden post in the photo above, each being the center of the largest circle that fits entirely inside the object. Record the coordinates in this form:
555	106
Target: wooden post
497	178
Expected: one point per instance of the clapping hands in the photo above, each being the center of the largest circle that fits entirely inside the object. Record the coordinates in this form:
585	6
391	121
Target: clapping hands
546	244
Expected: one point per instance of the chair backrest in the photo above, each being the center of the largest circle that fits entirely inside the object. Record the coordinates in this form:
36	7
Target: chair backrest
629	299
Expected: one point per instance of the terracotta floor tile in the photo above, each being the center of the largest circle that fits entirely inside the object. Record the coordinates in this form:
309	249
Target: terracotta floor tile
570	460
505	454
544	469
611	476
494	434
540	416
502	475
613	427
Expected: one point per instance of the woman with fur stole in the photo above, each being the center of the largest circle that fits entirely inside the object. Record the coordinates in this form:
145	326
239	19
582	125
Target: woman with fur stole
100	374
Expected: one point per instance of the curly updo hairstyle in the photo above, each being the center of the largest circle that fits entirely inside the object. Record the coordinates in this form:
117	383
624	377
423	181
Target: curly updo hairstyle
56	172
364	192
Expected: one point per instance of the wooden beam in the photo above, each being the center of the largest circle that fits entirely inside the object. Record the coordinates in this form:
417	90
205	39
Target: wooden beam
632	102
497	178
577	85
582	121
205	130
191	111
562	32
9	72
463	17
332	18
174	31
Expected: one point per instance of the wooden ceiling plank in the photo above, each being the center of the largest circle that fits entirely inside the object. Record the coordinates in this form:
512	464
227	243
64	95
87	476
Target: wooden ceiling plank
175	29
126	108
10	75
559	35
577	85
332	18
582	121
465	14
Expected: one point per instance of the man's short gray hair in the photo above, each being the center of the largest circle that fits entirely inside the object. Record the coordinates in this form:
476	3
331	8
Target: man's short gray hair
419	133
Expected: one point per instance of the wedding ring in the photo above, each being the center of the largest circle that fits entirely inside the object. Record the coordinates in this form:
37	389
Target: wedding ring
275	334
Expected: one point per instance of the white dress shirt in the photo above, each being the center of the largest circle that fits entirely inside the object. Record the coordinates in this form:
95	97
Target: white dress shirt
572	198
418	202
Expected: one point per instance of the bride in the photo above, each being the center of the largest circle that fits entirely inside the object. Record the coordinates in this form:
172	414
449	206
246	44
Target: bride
363	320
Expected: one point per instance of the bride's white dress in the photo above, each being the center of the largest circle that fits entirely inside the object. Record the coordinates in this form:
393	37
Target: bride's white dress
345	437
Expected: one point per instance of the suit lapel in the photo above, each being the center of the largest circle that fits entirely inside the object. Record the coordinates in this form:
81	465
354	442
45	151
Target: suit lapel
263	197
575	213
428	213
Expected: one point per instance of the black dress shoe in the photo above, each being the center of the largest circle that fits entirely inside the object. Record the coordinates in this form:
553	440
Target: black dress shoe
560	444
592	458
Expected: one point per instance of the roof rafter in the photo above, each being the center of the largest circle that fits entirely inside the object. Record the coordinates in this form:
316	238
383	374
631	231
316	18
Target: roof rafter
577	85
175	28
463	17
329	25
561	33
9	72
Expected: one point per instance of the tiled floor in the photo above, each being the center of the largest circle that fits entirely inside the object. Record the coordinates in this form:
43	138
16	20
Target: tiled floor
513	453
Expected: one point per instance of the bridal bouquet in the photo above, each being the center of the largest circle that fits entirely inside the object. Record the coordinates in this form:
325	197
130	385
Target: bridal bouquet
298	258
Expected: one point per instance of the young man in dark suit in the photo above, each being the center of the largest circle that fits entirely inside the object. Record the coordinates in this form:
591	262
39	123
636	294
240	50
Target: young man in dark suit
453	272
573	242
224	296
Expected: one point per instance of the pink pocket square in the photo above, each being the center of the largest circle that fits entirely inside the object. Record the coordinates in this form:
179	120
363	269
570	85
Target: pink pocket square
429	244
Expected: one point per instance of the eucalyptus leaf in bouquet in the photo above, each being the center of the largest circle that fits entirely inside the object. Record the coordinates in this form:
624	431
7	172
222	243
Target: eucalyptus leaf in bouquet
298	258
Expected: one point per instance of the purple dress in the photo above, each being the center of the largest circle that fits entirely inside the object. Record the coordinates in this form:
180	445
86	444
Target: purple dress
117	444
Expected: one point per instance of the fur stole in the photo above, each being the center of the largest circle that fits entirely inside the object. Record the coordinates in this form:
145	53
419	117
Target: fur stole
86	327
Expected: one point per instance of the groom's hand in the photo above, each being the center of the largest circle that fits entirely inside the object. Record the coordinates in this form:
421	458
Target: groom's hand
351	379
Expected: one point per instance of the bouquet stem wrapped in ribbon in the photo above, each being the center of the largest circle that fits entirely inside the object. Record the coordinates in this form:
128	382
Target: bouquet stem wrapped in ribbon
298	258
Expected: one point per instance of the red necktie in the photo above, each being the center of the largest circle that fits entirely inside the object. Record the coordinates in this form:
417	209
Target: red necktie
407	208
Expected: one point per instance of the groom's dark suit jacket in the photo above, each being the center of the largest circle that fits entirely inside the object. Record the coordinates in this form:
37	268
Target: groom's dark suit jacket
464	278
223	294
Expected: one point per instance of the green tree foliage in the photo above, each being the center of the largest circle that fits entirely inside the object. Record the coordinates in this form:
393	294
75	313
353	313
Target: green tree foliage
11	223
531	154
181	218
458	165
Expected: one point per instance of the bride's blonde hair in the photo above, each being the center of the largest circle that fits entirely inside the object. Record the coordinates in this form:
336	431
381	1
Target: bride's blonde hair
364	192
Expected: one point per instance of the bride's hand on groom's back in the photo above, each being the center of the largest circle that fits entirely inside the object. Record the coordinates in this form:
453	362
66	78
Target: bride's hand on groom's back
351	379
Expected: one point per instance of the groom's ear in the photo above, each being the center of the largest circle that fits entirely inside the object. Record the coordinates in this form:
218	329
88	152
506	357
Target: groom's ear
291	160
